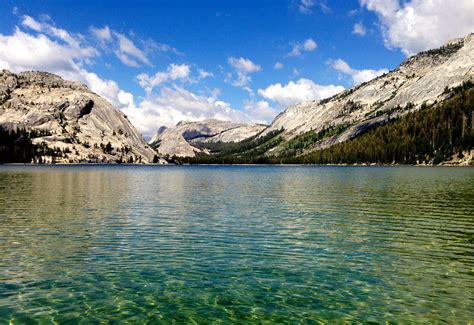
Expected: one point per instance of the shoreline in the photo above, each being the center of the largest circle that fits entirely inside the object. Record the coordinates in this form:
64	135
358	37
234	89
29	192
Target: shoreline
249	165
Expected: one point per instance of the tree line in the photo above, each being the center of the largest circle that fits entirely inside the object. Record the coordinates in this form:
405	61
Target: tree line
429	135
16	146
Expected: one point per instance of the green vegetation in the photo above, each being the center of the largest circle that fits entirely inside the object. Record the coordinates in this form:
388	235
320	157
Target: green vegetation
303	141
430	135
16	147
249	151
445	50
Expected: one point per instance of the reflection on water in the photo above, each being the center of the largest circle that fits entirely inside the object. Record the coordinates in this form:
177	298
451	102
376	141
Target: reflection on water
236	244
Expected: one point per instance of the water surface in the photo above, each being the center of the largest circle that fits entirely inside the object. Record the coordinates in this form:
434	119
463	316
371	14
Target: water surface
236	244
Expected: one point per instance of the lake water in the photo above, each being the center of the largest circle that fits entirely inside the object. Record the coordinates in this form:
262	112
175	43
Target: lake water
236	244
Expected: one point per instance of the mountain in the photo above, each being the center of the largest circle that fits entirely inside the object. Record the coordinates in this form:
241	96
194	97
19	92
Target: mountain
183	140
422	81
67	121
46	118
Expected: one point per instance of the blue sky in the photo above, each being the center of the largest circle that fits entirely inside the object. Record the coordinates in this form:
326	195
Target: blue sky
163	61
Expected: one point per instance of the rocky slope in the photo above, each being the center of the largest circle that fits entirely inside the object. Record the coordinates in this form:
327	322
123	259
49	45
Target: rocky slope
423	78
69	117
180	140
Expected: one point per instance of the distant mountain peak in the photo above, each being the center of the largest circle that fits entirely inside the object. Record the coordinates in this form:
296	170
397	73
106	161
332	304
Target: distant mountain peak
178	140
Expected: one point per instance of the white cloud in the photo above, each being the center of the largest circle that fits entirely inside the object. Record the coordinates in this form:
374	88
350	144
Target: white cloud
278	66
305	6
31	23
249	91
260	111
245	65
108	89
307	45
74	43
127	49
204	74
352	12
384	8
125	59
359	29
300	91
103	34
357	76
22	51
417	25
173	72
57	51
176	104
243	68
162	47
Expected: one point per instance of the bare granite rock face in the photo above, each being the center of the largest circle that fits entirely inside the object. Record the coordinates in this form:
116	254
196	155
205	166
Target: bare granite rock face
423	78
178	141
69	117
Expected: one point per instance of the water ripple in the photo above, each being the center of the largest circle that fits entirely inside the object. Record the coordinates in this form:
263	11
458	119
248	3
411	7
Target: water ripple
236	244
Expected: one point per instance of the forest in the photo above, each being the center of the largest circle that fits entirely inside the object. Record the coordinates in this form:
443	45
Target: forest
429	135
16	147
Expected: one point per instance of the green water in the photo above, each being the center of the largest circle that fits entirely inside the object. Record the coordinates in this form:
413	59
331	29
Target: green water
236	244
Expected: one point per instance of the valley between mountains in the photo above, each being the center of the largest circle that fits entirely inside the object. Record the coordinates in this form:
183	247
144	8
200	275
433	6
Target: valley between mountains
420	113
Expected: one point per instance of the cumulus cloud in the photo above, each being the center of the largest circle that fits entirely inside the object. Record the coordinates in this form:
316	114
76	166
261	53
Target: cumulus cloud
307	45
417	25
74	43
359	29
173	72
260	111
58	51
175	104
22	51
278	66
357	76
243	67
300	91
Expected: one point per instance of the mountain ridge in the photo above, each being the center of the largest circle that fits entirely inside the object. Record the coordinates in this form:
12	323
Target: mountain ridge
69	118
421	81
65	116
414	81
181	140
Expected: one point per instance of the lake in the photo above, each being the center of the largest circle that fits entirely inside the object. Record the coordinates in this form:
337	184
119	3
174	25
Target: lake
236	244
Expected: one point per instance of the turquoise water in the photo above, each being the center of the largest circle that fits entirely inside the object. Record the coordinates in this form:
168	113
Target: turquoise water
236	244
